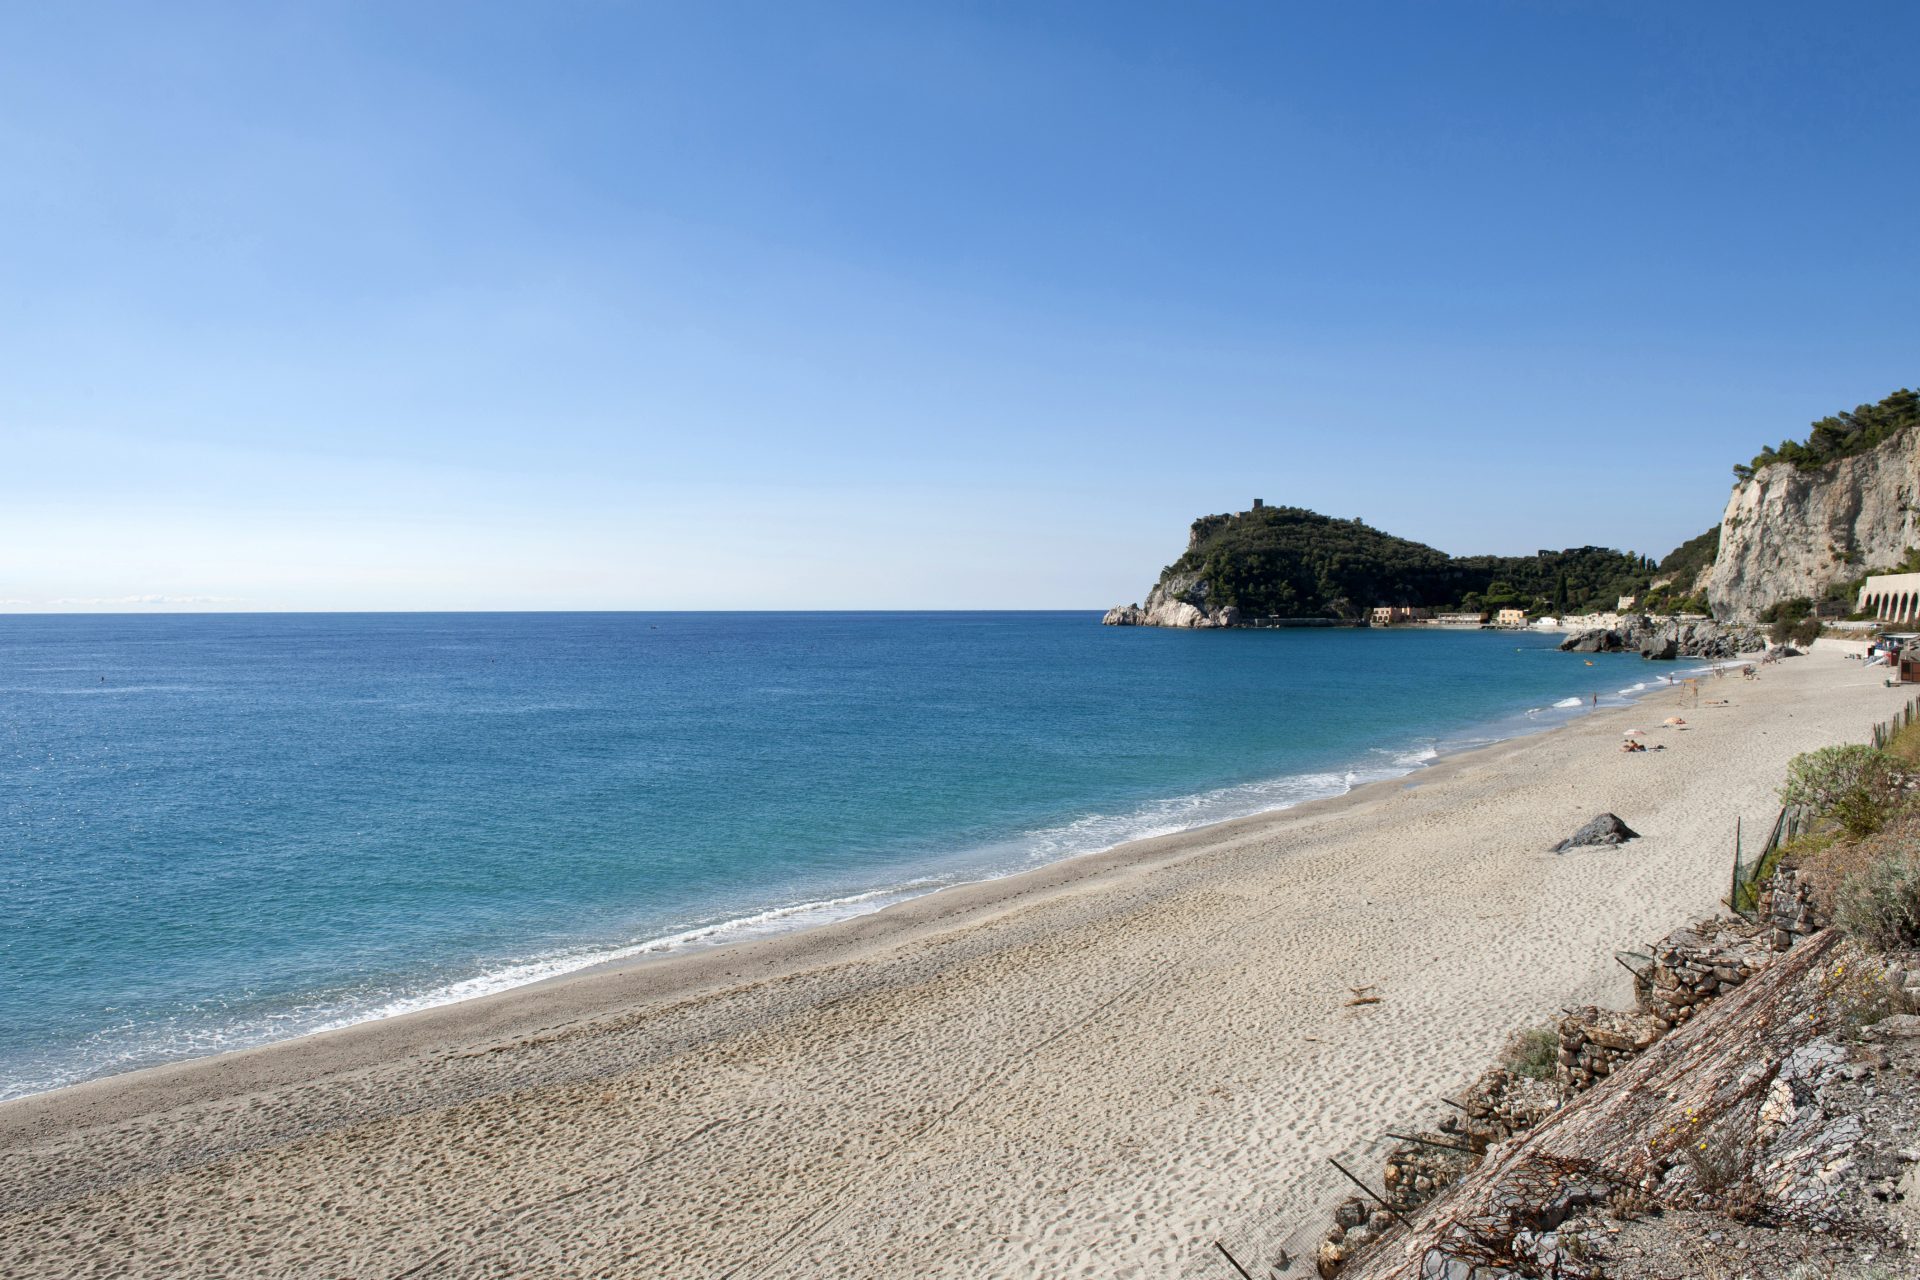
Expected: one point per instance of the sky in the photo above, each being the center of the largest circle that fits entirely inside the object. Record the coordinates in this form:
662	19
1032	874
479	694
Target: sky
900	306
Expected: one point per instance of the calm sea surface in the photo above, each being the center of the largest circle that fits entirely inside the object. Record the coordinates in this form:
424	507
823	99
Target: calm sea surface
221	830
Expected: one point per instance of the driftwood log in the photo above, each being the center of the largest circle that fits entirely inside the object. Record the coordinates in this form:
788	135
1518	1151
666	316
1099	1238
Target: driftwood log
1711	1076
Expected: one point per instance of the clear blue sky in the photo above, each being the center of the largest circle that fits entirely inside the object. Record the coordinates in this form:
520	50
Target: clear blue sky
810	305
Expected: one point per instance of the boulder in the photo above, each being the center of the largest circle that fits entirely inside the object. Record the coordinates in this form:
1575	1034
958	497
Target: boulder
1660	648
1901	1026
1598	640
1605	829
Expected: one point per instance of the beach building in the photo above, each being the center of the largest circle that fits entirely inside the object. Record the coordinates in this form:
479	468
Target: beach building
1462	619
1514	618
1626	603
1891	597
1387	615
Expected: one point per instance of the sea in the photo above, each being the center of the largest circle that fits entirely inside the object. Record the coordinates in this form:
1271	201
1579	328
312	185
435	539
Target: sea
222	830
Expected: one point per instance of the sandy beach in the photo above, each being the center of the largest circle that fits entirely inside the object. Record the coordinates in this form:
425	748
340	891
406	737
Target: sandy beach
1087	1070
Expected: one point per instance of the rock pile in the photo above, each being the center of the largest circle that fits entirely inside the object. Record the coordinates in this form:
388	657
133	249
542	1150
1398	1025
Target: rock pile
1418	1171
1790	909
1903	977
1692	966
1594	1041
1356	1224
1498	1105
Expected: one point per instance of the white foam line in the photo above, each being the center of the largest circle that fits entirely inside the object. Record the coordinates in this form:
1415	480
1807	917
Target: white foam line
1095	833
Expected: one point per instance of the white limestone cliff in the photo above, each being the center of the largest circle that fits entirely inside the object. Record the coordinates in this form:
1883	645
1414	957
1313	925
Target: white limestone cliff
1789	533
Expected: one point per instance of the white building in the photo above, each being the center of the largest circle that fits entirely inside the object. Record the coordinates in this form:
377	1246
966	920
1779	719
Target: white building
1892	597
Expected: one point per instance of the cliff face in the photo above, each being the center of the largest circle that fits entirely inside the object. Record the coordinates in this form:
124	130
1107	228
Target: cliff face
1788	532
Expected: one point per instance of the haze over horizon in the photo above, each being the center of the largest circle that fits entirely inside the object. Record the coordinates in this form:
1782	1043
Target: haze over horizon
745	306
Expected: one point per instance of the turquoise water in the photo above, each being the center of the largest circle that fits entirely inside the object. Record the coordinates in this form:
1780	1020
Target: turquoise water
221	830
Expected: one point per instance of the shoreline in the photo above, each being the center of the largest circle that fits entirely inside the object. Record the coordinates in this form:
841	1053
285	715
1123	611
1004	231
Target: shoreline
969	898
1511	727
1082	1069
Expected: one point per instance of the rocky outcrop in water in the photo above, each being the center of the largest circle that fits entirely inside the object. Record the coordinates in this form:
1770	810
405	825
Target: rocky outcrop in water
1788	532
1664	639
1178	600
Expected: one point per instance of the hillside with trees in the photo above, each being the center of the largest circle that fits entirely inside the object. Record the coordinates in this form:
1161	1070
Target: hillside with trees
1841	436
1291	562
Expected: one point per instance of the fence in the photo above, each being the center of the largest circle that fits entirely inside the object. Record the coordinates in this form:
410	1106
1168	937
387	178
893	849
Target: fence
1885	733
1750	874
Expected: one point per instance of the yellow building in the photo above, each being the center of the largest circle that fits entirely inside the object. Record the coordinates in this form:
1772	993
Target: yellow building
1515	618
1388	614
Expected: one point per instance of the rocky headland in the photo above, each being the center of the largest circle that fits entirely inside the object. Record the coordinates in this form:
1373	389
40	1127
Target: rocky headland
1664	639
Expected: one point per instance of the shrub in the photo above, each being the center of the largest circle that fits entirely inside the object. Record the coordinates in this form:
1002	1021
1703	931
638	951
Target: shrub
1720	1156
1880	904
1791	610
1534	1053
1857	786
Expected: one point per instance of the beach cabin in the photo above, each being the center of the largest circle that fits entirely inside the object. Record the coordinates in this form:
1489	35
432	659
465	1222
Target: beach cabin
1899	650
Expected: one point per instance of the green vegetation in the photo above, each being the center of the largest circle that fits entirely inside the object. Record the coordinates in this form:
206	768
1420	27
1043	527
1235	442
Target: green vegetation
1577	580
1686	562
1841	436
1856	786
1862	860
1533	1053
1794	621
1290	562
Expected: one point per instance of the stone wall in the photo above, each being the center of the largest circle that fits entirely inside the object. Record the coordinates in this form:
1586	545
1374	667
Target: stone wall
1790	909
1594	1041
1694	965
